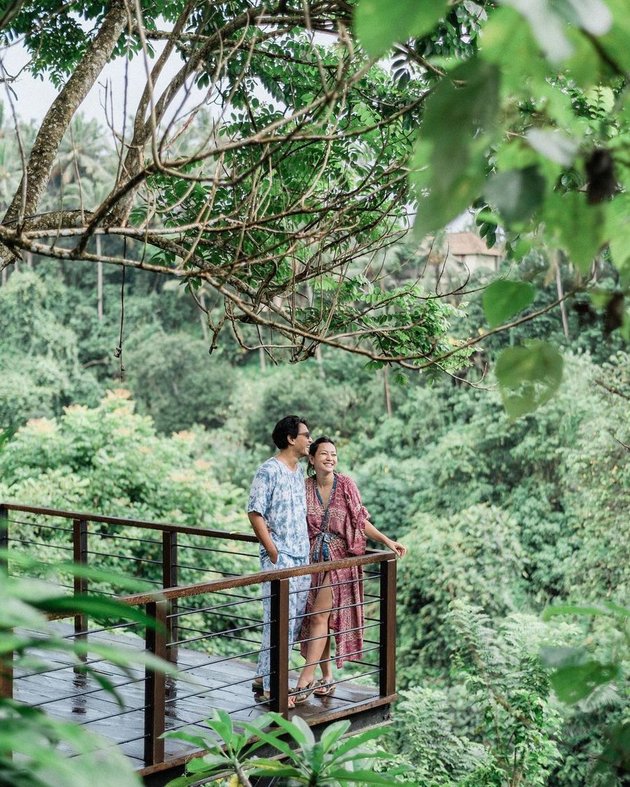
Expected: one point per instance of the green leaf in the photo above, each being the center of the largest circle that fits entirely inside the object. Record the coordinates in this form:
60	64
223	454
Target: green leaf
359	740
31	565
574	683
617	609
506	40
196	740
362	754
465	102
547	26
264	767
618	232
362	776
209	763
615	757
272	739
449	163
381	23
504	297
95	606
333	733
591	15
439	206
105	684
615	42
553	144
580	227
125	658
528	376
516	194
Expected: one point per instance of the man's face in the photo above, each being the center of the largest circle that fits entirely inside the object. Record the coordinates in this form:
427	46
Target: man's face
303	440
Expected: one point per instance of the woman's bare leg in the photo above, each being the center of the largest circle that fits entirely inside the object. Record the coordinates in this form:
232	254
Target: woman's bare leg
319	640
326	663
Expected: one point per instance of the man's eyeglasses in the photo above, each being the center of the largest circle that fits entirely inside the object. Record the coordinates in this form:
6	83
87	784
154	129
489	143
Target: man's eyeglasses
304	434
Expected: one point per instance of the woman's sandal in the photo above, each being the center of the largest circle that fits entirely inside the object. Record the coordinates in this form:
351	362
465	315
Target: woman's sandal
263	697
324	688
302	693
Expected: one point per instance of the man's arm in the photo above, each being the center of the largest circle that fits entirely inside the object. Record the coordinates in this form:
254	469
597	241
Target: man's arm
263	535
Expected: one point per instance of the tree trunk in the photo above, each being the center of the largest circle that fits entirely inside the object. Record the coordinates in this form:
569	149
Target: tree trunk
387	392
563	308
99	281
59	116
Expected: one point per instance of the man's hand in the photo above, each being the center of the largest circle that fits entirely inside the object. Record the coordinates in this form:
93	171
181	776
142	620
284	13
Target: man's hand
263	535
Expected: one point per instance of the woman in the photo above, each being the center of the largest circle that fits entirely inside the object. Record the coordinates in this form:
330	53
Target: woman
338	526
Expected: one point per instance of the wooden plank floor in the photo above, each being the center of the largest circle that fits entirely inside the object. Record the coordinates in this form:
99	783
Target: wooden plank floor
213	682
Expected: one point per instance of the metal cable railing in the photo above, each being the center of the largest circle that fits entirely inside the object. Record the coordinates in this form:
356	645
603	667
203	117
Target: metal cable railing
211	630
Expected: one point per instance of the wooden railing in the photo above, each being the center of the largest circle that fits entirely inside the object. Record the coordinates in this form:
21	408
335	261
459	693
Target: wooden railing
198	608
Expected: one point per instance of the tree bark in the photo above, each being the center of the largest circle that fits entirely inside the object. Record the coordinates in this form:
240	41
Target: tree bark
59	116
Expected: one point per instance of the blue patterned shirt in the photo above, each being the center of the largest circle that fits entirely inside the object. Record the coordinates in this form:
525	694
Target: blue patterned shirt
278	494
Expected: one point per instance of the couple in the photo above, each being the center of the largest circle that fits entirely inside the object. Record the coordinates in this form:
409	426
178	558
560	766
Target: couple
298	523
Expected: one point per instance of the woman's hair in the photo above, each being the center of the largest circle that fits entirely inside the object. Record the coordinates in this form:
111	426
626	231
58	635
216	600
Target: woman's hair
312	450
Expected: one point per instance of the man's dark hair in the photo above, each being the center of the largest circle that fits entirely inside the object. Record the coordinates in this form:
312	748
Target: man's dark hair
289	426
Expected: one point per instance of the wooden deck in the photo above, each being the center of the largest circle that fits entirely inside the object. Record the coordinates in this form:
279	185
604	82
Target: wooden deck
69	696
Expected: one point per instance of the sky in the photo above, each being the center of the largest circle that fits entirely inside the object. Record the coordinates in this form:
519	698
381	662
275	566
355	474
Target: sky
32	97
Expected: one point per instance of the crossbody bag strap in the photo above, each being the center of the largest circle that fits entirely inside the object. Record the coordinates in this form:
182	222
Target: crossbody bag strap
322	549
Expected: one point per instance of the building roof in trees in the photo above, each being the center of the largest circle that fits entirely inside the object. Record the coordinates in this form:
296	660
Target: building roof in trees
462	244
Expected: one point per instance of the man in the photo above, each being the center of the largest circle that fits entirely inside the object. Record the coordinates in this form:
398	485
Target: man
277	512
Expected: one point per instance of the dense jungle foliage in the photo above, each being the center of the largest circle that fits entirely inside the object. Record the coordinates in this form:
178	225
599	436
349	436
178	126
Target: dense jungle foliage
269	229
502	518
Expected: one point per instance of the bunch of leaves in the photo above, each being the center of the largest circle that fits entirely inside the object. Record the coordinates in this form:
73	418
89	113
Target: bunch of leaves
535	132
428	738
597	479
492	718
473	556
308	395
538	272
508	687
593	677
559	474
328	201
113	463
39	356
59	39
38	749
175	381
109	460
299	757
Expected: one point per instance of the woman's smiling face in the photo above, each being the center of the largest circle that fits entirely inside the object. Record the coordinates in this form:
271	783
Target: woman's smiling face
325	459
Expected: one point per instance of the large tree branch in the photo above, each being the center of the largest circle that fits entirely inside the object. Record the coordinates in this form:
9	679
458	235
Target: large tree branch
59	116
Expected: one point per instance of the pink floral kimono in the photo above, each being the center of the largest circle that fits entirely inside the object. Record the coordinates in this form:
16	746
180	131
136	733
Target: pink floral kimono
337	532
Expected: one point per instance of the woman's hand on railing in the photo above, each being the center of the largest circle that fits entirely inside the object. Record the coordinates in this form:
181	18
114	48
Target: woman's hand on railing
397	547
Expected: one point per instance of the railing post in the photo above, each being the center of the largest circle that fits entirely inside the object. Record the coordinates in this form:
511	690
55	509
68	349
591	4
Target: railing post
169	580
387	654
6	668
80	556
4	535
154	686
279	642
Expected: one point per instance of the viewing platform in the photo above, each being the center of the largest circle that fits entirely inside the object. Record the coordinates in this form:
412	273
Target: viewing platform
204	592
